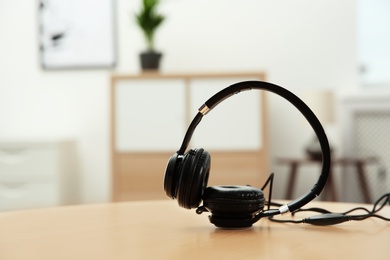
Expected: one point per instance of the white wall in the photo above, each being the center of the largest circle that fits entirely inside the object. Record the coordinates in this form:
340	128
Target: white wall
300	44
37	104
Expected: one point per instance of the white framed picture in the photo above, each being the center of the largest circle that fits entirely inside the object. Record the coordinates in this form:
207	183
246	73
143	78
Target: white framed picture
77	34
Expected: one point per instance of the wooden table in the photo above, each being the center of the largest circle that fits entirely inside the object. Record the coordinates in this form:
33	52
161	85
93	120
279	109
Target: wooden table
163	230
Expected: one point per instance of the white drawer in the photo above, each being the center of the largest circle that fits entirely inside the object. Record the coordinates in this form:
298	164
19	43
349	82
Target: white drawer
28	160
22	195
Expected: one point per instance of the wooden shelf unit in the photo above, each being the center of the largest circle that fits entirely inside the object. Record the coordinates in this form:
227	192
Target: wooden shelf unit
138	173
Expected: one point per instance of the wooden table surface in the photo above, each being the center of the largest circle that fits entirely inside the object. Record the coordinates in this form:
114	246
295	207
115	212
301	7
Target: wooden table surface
163	230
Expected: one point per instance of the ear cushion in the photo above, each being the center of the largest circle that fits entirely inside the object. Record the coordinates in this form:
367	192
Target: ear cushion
233	200
171	178
194	175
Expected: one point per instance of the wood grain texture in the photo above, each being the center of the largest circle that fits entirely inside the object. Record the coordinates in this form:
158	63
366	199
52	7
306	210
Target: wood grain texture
163	230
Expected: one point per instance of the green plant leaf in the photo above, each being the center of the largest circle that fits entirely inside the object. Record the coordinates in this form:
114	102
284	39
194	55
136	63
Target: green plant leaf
148	19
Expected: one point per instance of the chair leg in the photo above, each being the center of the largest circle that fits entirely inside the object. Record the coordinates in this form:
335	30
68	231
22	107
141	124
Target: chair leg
291	181
363	181
330	191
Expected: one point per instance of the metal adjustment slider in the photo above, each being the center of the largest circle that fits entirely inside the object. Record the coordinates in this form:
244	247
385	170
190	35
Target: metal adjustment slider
284	209
204	109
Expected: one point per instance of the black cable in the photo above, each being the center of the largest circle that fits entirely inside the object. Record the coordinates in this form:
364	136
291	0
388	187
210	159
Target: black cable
319	210
332	218
270	181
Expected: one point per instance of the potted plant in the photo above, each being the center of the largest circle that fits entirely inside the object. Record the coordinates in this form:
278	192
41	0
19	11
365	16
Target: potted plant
148	19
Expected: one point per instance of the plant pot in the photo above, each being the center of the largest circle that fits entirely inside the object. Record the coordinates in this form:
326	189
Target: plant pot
150	60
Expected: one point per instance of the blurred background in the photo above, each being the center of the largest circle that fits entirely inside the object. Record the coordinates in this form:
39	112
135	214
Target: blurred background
57	120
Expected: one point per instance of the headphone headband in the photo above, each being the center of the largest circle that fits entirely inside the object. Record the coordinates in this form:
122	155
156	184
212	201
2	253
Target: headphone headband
300	105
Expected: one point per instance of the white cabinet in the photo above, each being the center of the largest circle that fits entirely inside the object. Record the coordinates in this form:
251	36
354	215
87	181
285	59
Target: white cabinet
151	112
36	174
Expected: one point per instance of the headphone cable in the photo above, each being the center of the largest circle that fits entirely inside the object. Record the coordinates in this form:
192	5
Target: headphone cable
331	218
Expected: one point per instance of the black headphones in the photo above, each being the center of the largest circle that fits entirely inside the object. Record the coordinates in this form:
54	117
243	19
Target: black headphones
233	206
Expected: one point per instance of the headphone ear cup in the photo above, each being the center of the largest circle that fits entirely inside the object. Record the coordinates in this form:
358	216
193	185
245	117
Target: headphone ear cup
171	178
233	206
194	175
